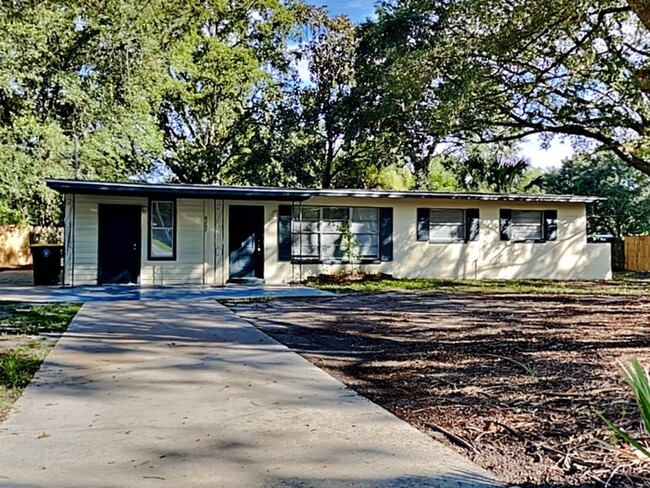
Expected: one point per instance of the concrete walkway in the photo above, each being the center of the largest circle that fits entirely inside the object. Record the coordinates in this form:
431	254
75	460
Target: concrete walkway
185	394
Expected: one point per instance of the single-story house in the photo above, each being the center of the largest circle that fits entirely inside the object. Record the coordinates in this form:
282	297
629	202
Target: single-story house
164	234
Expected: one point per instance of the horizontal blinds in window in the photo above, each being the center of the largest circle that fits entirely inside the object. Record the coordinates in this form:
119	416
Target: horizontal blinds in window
446	225
527	225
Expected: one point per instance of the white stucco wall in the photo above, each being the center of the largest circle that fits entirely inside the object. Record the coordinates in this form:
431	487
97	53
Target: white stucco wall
569	257
202	244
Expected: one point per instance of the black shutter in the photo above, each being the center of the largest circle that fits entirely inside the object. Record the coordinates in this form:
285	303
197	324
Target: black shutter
471	224
284	233
423	224
550	225
386	234
505	223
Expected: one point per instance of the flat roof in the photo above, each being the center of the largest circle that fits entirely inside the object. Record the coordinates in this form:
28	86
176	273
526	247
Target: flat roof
85	187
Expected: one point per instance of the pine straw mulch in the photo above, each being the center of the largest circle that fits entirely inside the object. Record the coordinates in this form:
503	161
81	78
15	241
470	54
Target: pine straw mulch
514	382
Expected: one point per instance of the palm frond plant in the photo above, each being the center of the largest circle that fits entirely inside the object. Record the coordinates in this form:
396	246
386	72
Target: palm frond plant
639	381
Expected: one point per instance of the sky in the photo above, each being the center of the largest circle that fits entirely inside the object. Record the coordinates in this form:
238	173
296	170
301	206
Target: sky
357	10
360	10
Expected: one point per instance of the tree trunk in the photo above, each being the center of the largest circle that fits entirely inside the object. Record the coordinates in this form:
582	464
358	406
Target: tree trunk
329	155
642	9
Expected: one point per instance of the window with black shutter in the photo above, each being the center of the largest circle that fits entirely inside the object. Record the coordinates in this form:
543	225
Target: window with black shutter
528	225
447	225
321	234
284	233
550	225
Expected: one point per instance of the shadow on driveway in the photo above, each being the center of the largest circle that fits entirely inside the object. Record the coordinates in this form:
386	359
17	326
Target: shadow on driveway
138	392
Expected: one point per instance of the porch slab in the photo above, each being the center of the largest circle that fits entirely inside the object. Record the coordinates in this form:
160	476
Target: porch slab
49	294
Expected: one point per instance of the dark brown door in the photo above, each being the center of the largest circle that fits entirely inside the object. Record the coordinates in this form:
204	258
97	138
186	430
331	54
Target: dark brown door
246	242
119	244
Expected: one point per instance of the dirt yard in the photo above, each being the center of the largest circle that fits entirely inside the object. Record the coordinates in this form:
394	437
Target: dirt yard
512	381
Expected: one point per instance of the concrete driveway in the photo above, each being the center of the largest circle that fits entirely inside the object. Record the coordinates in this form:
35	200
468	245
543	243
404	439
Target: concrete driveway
185	394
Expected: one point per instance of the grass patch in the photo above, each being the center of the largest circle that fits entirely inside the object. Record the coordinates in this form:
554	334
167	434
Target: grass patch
19	364
21	349
35	319
619	286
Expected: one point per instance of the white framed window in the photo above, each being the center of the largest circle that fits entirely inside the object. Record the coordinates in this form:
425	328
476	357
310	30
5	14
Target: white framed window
446	225
317	233
527	225
162	229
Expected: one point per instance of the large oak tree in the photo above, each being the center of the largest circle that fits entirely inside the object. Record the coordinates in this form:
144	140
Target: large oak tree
74	70
223	58
507	69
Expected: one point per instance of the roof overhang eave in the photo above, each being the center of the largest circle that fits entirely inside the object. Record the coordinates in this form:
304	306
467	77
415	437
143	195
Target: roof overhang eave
82	187
175	191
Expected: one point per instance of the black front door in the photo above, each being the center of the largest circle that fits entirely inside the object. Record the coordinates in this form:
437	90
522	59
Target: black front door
119	244
246	242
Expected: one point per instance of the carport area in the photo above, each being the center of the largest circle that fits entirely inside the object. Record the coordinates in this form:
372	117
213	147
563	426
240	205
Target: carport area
173	392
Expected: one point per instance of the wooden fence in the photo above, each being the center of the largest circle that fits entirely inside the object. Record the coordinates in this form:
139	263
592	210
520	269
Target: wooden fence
637	253
16	239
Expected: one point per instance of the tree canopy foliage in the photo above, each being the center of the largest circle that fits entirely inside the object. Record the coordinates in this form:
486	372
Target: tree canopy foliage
269	92
74	70
304	133
503	70
218	67
627	208
495	172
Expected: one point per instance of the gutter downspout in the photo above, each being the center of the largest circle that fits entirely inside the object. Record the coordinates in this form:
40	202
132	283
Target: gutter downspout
300	270
205	236
73	238
214	242
223	242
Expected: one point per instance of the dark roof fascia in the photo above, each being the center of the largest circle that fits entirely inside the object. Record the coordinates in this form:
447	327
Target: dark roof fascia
497	197
79	187
288	194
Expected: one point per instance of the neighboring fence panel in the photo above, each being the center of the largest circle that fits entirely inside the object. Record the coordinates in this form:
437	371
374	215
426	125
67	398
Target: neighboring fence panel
15	241
14	246
637	253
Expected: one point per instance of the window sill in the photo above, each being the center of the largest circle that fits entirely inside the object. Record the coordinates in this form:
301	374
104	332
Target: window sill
450	242
335	261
